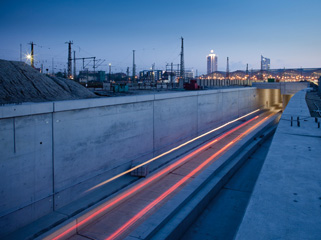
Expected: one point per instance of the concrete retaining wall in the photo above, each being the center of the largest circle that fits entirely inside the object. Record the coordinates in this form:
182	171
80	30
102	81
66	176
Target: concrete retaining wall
287	88
52	152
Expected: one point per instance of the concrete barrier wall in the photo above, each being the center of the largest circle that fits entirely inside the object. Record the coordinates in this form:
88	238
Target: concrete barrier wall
287	88
52	152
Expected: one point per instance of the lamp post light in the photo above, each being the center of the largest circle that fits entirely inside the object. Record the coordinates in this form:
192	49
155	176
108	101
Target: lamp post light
109	72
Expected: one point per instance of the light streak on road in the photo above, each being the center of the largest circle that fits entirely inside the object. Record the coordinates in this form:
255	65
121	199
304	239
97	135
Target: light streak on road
134	219
150	179
165	153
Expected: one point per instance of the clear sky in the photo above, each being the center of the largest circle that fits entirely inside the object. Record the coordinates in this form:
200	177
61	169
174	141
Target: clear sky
286	31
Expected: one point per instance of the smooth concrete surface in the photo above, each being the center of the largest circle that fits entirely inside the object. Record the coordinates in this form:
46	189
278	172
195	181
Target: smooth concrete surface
269	97
51	153
287	88
286	202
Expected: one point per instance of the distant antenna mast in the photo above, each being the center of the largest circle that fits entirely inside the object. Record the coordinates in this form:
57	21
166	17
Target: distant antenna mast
134	66
53	68
20	52
69	59
227	69
182	70
32	55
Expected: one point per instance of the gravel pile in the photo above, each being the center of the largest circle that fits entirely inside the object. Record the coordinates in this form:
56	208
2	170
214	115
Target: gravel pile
19	83
314	103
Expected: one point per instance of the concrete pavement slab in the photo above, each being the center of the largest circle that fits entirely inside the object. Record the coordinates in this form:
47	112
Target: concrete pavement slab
286	202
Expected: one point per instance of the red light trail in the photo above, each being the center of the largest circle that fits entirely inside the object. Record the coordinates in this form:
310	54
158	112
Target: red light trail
143	184
179	183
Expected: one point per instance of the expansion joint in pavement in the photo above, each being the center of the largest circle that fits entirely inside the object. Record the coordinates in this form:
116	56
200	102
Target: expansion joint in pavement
303	135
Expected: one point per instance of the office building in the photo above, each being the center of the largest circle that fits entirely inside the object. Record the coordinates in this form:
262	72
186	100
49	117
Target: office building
265	63
211	62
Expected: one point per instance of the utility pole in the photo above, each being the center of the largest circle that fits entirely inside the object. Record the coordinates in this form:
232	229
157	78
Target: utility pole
20	52
227	69
153	74
127	73
247	71
172	73
134	66
32	55
69	76
94	65
182	70
52	68
75	76
261	77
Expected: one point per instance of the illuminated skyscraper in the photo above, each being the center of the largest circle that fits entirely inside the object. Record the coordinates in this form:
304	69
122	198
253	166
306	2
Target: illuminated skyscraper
211	62
265	63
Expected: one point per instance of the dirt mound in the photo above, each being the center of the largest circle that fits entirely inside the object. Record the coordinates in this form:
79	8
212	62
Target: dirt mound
19	82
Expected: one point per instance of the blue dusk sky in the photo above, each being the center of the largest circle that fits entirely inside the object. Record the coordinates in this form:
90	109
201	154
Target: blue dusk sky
286	31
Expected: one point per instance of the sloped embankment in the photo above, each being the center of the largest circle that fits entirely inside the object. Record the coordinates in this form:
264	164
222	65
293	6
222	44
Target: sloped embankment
20	82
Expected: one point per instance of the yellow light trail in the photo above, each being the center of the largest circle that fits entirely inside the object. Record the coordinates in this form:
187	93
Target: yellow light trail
169	151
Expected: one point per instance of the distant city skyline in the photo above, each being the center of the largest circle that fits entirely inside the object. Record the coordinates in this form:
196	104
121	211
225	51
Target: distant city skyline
110	30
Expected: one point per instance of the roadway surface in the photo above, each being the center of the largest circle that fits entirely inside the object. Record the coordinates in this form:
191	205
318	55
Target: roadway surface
126	211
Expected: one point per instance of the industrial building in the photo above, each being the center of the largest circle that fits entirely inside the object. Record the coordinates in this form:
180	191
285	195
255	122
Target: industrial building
87	76
150	75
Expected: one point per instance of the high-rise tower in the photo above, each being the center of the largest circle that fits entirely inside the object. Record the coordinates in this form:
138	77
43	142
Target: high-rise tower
265	63
211	62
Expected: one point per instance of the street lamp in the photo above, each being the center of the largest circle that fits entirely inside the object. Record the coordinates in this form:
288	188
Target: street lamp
109	71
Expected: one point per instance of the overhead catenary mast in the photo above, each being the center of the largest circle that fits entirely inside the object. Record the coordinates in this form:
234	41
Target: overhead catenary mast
227	68
134	66
182	69
32	62
75	76
20	52
247	71
53	67
69	60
